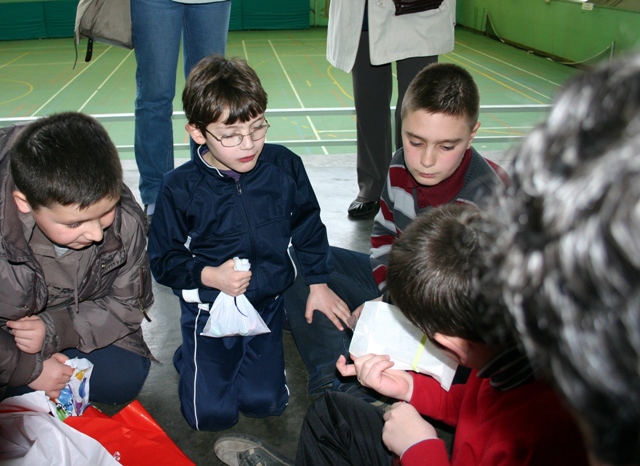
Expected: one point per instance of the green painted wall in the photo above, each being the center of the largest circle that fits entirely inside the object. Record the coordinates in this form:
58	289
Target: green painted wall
319	12
560	28
39	19
271	14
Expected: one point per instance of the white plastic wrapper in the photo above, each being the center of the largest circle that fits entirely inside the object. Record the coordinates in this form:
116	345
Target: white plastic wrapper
234	316
383	329
29	435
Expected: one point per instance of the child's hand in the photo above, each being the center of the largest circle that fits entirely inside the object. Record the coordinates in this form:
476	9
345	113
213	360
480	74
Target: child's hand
29	333
323	299
226	279
404	427
355	315
54	376
374	371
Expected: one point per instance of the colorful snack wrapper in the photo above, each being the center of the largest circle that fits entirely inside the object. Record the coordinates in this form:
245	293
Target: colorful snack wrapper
74	398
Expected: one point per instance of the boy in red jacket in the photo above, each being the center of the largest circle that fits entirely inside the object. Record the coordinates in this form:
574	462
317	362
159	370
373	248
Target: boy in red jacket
503	415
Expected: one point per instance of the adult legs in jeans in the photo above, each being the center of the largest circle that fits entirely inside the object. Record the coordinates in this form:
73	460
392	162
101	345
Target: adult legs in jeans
320	343
158	26
339	430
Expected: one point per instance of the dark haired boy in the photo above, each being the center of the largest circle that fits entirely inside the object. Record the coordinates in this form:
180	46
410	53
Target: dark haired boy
503	415
437	165
239	198
75	272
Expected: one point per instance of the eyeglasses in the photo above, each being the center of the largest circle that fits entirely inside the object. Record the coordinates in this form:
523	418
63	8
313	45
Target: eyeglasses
234	140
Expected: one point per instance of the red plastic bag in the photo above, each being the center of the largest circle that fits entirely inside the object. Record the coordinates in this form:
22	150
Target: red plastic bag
132	436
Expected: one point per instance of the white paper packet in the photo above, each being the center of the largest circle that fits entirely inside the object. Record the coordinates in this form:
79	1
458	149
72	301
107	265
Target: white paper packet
383	329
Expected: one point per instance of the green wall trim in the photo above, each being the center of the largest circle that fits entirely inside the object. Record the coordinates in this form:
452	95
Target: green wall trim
40	19
555	27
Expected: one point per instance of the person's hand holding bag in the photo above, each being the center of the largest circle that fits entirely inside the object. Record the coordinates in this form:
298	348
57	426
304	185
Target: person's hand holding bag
234	315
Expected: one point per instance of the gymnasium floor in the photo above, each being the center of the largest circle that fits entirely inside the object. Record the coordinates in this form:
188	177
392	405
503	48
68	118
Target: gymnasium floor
37	78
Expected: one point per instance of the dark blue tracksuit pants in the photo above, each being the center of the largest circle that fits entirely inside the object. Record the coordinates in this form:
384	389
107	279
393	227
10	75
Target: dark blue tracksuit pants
222	377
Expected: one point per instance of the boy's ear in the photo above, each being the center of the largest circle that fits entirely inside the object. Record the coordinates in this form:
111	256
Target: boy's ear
473	132
195	134
457	348
21	201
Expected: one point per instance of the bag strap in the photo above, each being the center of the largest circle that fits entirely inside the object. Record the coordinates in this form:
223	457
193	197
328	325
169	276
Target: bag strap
87	57
404	7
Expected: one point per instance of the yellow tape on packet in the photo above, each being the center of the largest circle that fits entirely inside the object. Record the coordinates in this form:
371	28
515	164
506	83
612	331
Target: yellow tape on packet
416	359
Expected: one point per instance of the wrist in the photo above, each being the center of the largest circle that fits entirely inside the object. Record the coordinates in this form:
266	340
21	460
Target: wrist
409	393
208	277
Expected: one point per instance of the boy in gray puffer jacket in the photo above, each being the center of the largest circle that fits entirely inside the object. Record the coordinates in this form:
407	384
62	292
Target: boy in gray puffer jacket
75	272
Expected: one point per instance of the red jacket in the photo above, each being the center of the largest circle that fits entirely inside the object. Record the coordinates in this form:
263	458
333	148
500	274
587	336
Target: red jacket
527	425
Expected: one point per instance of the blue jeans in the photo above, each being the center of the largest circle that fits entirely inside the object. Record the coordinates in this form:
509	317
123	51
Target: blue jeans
158	26
320	343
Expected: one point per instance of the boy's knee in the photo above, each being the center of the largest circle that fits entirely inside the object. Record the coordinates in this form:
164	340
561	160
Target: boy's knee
265	403
210	417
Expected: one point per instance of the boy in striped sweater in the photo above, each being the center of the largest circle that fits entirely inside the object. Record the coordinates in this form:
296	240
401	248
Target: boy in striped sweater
436	166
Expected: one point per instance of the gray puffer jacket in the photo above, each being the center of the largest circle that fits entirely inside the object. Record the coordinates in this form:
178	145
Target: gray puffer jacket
106	308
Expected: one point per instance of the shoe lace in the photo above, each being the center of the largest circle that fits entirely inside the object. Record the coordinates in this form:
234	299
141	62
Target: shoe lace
252	457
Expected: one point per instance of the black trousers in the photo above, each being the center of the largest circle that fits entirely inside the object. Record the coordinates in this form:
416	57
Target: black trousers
342	430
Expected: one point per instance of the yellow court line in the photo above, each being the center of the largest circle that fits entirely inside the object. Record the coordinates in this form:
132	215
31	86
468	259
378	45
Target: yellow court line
11	61
335	81
494	80
29	85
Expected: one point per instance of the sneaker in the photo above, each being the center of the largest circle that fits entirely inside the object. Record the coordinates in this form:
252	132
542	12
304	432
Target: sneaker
246	450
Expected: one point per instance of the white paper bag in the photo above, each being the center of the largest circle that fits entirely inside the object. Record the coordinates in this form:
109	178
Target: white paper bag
233	316
383	329
30	435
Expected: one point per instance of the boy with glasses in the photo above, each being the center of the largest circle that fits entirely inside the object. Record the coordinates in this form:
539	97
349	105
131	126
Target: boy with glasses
239	198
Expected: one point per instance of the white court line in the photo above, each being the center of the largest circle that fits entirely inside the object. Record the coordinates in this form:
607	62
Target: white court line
509	64
246	52
495	73
315	131
39	64
72	80
105	81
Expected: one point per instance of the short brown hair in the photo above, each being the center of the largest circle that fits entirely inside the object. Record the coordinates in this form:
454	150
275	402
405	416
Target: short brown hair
66	159
218	87
444	88
434	268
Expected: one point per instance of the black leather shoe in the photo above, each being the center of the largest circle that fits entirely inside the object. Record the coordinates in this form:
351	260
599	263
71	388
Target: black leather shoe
367	209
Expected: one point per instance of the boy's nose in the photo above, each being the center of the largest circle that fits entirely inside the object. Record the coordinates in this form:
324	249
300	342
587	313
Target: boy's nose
247	142
428	158
94	231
